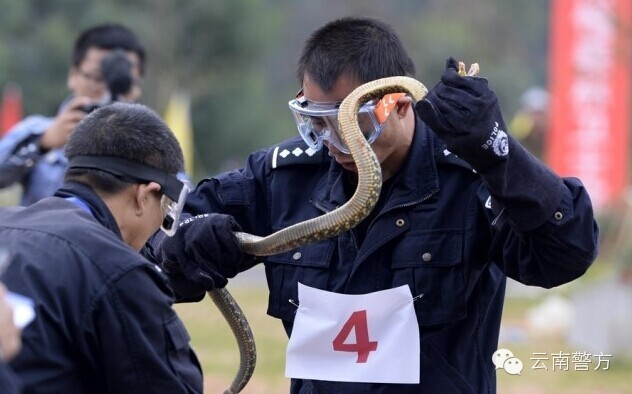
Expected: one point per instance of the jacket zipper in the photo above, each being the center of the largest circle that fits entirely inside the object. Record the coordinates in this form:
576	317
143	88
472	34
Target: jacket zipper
324	210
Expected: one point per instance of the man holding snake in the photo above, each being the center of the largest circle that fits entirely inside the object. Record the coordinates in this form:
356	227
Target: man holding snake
462	207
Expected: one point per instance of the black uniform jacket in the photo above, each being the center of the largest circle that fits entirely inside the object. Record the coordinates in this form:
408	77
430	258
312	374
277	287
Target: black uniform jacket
447	232
104	322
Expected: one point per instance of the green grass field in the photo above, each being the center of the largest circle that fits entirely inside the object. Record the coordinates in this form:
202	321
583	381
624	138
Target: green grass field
616	380
217	348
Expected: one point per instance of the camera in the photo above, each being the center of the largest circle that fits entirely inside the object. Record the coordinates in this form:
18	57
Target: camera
116	69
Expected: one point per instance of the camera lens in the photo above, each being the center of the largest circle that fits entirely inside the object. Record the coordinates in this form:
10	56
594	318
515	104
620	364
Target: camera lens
117	73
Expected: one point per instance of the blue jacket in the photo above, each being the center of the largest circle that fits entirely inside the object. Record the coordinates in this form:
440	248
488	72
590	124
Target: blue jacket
21	161
104	322
8	381
437	229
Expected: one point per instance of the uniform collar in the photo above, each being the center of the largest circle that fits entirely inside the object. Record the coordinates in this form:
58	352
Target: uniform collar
99	210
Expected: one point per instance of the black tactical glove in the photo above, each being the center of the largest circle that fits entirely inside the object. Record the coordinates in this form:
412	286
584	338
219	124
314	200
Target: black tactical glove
464	112
204	248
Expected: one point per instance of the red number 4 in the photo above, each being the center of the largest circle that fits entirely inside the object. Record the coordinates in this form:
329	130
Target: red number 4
362	346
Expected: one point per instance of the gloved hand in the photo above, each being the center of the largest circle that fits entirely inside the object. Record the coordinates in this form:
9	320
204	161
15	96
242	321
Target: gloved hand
464	112
204	248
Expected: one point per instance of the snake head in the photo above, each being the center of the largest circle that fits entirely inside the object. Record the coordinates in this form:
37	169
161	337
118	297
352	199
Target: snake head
474	70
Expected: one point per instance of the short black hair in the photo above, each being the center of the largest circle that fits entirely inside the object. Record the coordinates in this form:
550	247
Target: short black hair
107	36
363	48
125	130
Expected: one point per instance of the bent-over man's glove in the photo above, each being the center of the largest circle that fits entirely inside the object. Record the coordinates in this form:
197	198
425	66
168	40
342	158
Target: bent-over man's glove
464	112
204	248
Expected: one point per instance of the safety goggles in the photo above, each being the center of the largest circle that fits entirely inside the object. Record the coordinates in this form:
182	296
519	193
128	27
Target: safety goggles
317	122
174	188
173	203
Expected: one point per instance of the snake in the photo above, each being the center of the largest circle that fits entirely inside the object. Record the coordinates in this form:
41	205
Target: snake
322	227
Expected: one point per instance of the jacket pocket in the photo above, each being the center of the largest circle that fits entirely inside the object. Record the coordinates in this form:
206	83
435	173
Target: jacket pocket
438	375
307	265
431	263
181	357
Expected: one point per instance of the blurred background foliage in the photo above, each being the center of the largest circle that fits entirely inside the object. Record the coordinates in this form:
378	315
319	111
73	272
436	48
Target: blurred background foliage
236	58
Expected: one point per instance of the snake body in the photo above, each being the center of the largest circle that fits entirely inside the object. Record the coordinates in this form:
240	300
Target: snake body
322	227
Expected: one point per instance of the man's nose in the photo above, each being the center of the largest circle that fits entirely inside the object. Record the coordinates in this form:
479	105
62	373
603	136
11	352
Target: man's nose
332	149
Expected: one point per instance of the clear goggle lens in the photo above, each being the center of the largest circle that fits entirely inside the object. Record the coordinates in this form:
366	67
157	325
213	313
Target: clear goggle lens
318	122
173	209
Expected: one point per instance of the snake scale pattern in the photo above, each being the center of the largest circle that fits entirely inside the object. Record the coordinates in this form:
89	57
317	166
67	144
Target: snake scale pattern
326	226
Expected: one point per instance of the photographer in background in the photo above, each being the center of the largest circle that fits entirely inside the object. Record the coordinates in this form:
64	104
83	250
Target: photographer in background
106	65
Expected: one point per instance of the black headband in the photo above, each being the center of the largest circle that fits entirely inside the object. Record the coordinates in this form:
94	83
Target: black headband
170	185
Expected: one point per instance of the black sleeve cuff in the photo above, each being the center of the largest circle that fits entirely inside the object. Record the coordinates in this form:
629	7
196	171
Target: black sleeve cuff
184	289
527	189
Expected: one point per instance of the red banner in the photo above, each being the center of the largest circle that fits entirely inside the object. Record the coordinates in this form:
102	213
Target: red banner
590	94
10	107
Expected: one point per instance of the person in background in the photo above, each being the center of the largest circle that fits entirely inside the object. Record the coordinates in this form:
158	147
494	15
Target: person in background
530	124
462	207
31	153
104	321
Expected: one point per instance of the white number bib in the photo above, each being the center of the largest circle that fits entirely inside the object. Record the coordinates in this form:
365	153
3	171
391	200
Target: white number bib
371	338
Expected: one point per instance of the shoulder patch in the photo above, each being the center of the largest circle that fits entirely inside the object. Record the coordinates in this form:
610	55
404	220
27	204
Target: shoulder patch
293	152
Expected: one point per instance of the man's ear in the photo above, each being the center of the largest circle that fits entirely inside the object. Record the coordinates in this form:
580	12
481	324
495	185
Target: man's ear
404	104
145	192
